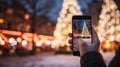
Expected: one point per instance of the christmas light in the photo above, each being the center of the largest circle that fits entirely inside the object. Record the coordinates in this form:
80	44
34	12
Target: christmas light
1	20
64	23
109	23
19	39
12	41
24	43
38	44
2	42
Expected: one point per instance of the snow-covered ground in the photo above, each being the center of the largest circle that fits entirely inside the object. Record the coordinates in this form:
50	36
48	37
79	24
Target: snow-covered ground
47	60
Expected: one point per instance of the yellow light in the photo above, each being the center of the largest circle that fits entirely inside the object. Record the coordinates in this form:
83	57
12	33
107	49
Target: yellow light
42	40
1	20
11	32
107	45
109	22
19	39
112	38
2	42
64	21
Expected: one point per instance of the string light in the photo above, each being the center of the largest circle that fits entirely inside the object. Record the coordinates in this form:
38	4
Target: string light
38	44
24	43
2	42
12	41
109	23
64	22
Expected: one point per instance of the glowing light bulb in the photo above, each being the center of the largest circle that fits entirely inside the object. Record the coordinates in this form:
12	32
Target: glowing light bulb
24	43
2	42
38	44
63	26
48	42
112	38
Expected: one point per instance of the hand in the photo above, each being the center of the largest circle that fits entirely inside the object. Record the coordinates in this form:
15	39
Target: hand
87	47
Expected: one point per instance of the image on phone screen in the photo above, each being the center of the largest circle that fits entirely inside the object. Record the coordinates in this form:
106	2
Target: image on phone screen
82	28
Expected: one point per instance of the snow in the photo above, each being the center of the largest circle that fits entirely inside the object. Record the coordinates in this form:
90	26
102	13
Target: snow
48	60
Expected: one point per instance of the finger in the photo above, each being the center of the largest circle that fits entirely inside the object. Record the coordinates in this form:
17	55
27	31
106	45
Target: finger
70	35
70	41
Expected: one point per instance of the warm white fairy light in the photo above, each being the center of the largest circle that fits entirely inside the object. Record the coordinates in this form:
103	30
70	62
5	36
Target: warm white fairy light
109	23
48	42
64	22
2	42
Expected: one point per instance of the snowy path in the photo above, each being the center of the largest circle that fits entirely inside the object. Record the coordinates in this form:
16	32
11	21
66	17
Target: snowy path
47	60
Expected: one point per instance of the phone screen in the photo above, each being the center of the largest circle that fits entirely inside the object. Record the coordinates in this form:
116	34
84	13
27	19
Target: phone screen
82	28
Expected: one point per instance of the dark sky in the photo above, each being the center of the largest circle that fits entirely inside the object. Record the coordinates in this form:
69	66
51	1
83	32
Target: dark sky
48	8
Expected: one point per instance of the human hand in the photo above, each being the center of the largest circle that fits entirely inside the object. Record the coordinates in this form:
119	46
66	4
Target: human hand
86	47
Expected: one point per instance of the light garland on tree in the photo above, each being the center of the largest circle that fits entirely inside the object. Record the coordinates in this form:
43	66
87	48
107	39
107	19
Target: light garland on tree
109	23
64	22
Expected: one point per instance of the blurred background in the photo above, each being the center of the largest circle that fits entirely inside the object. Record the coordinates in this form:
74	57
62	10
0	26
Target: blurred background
34	33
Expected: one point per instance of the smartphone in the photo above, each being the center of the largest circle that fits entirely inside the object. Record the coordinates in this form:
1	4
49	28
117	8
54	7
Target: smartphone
81	28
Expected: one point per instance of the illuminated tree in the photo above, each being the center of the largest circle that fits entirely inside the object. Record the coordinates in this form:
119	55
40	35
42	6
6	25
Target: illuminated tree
64	22
85	32
109	23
